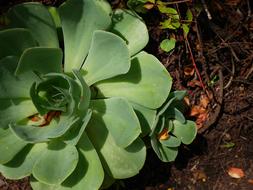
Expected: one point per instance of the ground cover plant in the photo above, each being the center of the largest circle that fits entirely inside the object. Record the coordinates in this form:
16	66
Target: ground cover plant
78	94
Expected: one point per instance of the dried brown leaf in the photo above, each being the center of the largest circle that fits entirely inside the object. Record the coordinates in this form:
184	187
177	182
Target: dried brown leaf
236	172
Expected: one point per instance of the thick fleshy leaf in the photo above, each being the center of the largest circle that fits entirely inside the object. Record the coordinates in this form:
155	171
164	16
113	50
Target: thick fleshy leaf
131	28
165	154
174	113
14	93
73	135
165	107
56	163
36	185
118	162
185	131
10	145
22	164
140	85
37	19
14	86
15	41
85	93
14	110
171	141
35	134
41	60
118	117
78	27
108	57
89	171
179	94
146	117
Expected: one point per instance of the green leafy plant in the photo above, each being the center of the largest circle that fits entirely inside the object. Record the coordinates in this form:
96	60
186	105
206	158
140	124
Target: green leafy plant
77	94
172	20
170	128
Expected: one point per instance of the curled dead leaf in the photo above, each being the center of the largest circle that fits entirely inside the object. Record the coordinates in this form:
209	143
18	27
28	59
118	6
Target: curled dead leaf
204	101
148	6
189	71
196	110
194	83
187	101
236	172
163	135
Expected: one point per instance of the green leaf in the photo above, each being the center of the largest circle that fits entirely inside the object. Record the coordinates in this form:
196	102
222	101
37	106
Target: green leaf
167	10
140	85
73	135
12	86
37	19
89	171
10	145
146	117
186	132
189	15
22	164
108	57
168	44
56	163
131	28
85	95
118	117
40	59
118	162
36	185
164	153
14	110
80	18
15	41
167	24
171	142
179	94
35	134
186	29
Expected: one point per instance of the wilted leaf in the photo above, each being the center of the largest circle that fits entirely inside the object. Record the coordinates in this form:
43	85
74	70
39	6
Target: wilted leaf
189	71
187	101
194	83
204	101
163	135
148	6
196	110
236	172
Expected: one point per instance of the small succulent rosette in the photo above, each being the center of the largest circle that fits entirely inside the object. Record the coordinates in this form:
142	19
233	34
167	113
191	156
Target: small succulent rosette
170	128
76	93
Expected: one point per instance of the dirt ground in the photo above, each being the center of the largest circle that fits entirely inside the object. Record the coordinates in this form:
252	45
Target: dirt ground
222	49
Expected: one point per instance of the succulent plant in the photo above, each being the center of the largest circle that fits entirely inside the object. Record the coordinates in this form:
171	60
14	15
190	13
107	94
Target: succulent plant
170	128
76	94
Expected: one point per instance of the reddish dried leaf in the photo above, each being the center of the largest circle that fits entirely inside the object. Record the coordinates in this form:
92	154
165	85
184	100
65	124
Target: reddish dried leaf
204	101
35	118
236	172
189	71
196	110
187	101
148	6
194	83
250	181
163	135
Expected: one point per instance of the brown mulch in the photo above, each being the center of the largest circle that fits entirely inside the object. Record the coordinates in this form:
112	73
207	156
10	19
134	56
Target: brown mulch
222	48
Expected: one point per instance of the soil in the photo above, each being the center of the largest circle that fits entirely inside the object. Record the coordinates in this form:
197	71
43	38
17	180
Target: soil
222	49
